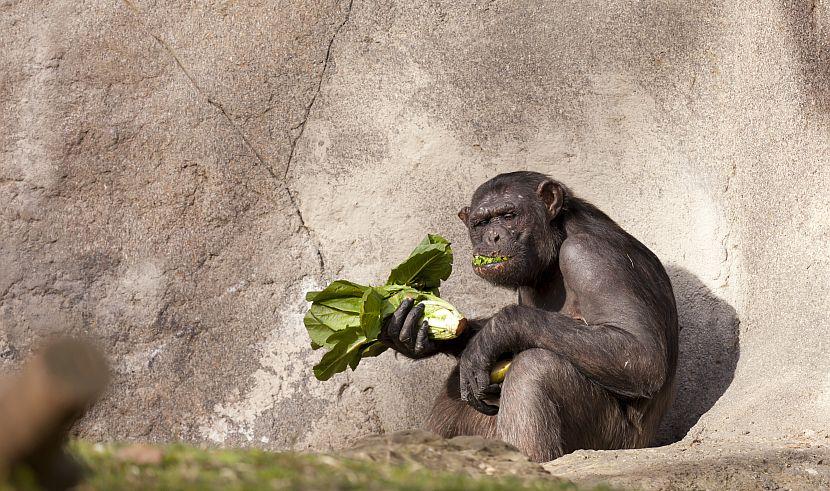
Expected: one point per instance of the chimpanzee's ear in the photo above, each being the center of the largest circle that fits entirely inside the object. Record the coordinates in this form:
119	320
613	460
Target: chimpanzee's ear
552	194
464	213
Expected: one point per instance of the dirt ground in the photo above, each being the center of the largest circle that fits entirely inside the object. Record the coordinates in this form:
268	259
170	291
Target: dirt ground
694	463
709	465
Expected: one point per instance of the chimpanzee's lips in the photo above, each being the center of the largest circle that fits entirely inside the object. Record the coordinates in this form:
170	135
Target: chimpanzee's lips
480	261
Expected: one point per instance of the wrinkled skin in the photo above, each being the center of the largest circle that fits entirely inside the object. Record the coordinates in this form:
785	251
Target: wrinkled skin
593	335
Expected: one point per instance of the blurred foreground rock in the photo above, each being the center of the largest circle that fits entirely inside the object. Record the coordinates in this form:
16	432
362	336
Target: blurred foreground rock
466	454
38	405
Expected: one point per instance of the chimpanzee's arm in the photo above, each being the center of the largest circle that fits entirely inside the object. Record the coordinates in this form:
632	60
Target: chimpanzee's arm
630	362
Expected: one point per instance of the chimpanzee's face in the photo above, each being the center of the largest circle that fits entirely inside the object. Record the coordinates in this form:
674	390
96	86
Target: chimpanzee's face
509	234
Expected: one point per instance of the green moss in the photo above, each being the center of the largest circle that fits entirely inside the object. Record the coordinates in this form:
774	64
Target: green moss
184	467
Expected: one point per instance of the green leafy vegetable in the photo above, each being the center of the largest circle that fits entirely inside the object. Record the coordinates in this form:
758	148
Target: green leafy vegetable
427	265
485	260
345	318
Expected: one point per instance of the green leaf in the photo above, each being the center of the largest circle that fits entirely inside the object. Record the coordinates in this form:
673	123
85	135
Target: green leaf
373	349
346	352
479	260
388	291
334	309
434	239
317	331
343	304
337	289
428	264
334	319
393	301
370	312
324	318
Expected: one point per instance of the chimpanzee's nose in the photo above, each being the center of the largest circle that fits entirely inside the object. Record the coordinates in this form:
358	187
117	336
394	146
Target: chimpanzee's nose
493	236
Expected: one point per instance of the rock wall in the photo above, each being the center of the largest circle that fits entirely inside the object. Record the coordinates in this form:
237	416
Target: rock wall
174	178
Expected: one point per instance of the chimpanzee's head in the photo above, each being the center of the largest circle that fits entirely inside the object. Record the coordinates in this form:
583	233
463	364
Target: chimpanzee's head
513	227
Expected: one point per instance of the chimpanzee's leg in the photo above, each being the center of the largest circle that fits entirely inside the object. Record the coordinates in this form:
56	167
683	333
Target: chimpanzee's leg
451	416
548	408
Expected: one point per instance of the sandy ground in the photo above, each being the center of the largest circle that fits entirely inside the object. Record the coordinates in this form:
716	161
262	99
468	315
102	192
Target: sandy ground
700	465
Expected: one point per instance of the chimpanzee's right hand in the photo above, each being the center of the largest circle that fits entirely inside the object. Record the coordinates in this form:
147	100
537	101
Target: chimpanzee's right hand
405	333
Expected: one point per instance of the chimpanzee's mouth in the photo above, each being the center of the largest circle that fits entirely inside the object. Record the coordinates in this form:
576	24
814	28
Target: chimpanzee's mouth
480	261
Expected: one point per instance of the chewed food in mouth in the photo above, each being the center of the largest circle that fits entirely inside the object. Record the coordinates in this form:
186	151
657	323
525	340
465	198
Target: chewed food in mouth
487	260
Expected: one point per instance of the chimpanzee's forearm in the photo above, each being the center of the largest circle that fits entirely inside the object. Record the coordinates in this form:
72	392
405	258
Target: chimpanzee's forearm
629	361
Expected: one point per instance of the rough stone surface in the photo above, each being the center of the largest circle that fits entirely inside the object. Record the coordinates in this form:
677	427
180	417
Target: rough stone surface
174	178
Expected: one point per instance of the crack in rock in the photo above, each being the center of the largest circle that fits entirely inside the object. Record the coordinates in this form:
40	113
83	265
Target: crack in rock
216	104
301	126
9	289
310	105
727	237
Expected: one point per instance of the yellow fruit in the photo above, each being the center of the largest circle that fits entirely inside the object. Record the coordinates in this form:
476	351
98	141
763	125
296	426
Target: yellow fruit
499	371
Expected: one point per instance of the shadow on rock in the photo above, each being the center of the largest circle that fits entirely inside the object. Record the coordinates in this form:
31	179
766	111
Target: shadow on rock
709	351
809	24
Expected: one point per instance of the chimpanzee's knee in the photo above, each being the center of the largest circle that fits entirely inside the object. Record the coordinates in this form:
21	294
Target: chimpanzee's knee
528	417
548	408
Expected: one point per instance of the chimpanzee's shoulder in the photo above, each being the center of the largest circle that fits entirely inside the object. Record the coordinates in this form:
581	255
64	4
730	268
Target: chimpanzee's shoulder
578	248
583	258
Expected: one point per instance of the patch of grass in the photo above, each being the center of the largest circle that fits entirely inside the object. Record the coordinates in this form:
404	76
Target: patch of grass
182	467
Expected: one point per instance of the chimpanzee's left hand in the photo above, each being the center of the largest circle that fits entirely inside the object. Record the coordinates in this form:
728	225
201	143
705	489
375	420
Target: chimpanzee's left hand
477	360
407	332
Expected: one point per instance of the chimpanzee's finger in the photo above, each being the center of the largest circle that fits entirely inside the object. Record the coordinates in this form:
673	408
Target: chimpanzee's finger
395	323
479	385
410	325
462	386
422	341
482	406
492	390
488	409
481	381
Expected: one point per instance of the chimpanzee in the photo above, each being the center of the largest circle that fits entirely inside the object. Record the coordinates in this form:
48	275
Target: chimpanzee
593	337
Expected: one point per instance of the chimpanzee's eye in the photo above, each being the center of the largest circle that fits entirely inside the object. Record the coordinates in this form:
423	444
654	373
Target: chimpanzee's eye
509	216
481	223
